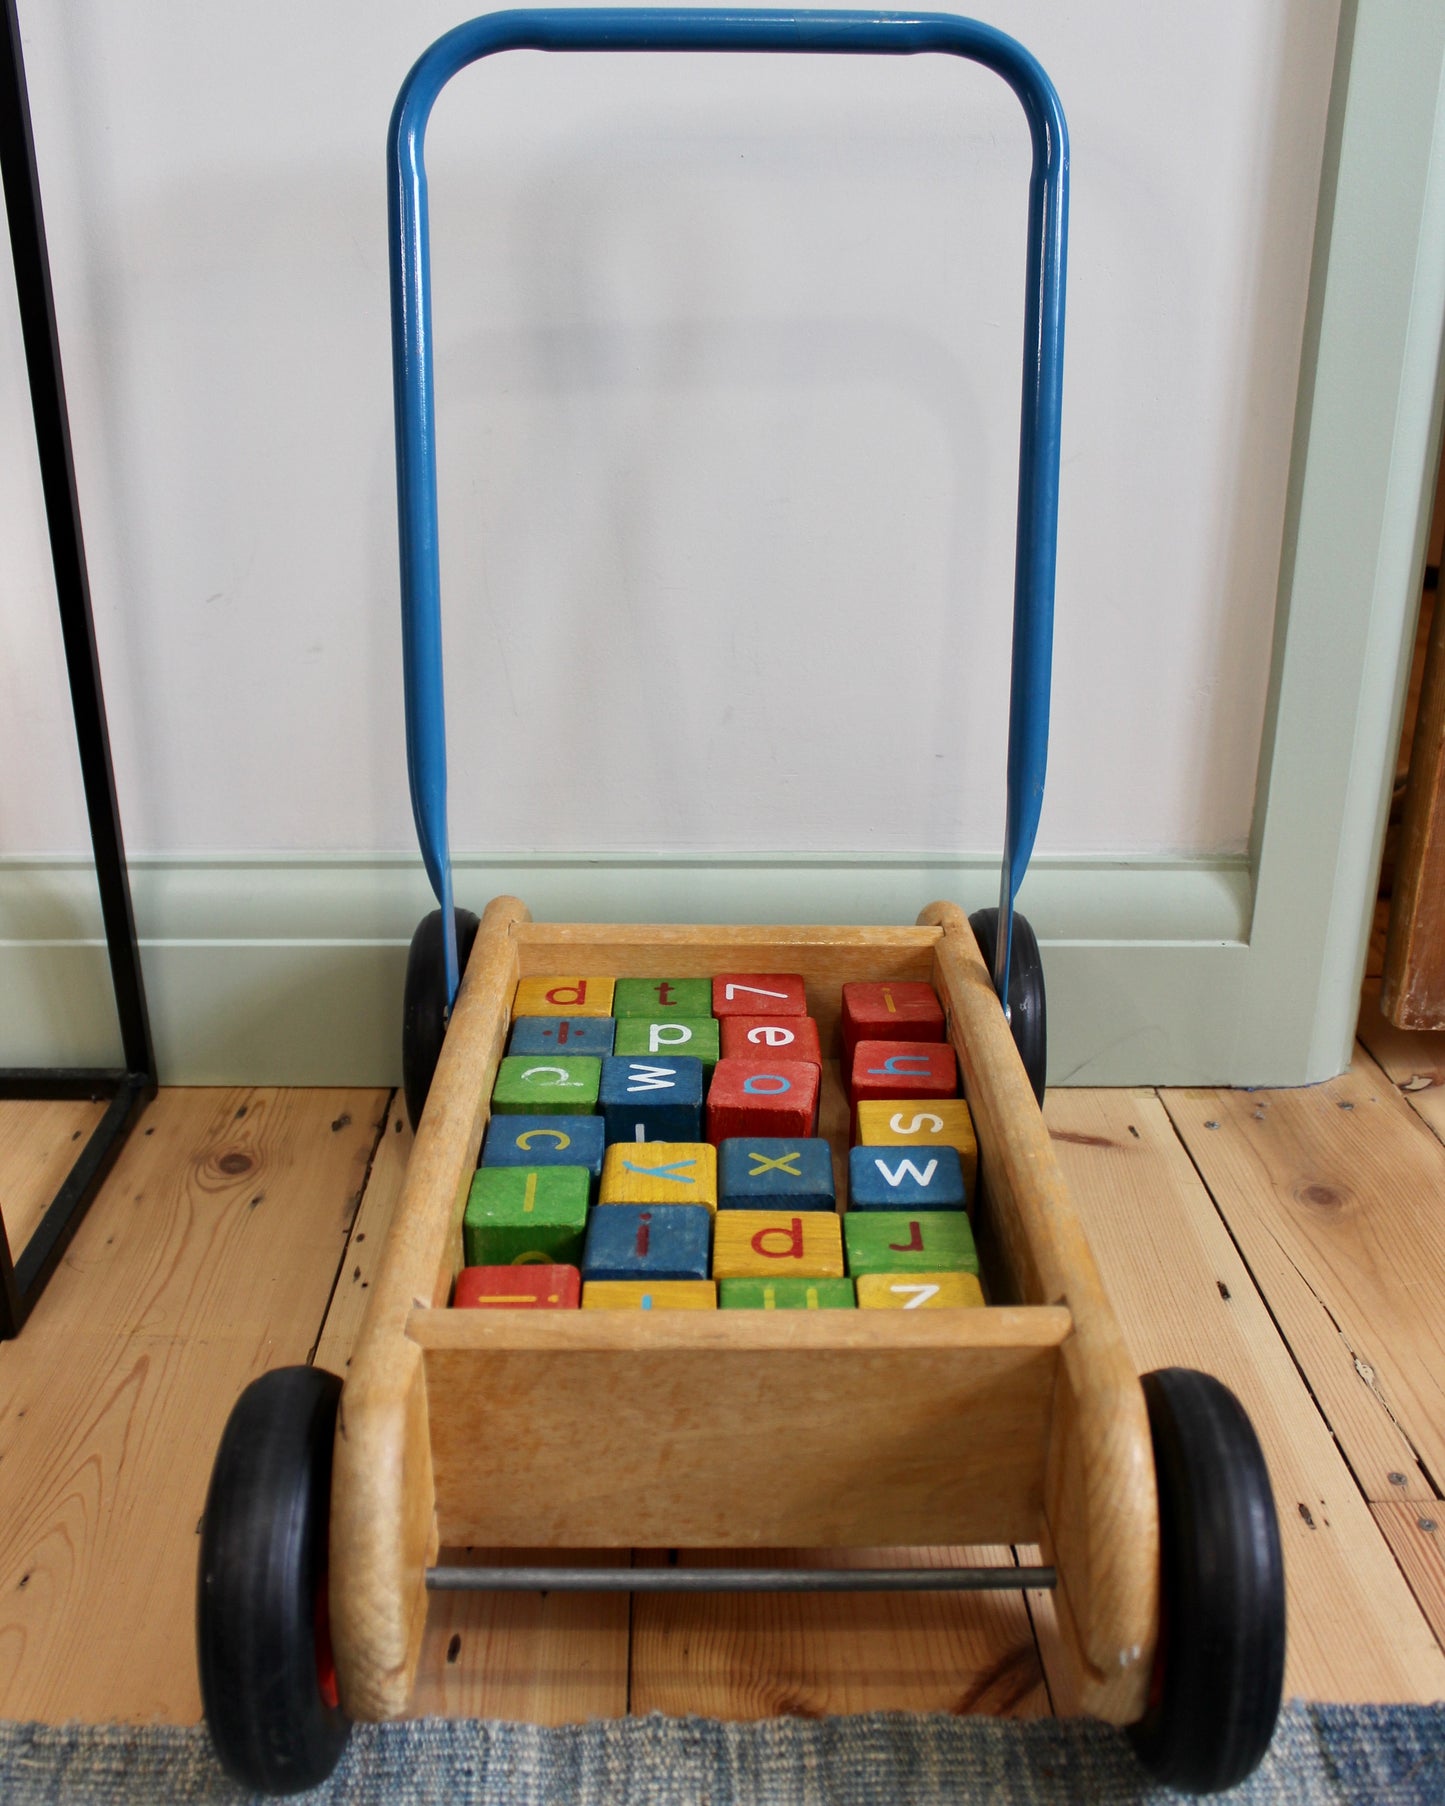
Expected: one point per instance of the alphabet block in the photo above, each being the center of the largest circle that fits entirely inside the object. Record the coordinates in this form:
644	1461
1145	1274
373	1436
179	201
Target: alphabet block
771	1038
902	1069
908	1011
904	1178
747	1097
773	1244
517	1215
917	1292
563	997
562	1034
660	1172
924	1241
759	994
641	1241
944	1123
785	1294
658	999
652	1099
518	1288
757	1172
649	1295
546	1141
693	1036
546	1085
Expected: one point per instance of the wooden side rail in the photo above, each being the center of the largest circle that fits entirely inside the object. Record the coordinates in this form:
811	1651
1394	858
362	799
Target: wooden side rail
1100	1501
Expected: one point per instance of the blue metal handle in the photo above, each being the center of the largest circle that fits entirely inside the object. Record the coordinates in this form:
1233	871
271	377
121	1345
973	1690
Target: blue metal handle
646	28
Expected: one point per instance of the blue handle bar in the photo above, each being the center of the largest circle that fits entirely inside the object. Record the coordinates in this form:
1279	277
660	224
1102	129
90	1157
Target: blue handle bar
647	28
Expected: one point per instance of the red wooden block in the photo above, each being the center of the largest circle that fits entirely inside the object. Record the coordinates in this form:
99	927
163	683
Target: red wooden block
758	994
771	1038
908	1011
752	1097
532	1287
902	1069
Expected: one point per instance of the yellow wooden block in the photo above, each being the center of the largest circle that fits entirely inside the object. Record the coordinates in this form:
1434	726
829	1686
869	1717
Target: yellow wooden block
921	1123
777	1244
660	1172
563	997
649	1295
917	1291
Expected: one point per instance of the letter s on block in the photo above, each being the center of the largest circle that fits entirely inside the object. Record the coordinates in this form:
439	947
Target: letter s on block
924	1122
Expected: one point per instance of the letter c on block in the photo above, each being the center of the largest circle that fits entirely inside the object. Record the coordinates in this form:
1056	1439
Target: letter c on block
528	1136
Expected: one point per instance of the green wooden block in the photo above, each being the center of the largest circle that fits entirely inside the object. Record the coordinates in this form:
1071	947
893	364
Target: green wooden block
923	1241
517	1215
785	1295
662	1035
546	1085
661	999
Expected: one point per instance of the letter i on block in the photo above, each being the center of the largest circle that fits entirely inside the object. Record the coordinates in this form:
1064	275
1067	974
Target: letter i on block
889	1012
518	1288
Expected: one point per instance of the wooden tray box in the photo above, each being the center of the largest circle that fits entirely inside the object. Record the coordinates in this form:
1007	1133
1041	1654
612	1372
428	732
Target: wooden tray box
1023	1422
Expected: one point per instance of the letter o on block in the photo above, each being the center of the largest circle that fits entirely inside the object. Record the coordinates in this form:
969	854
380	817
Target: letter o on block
766	1084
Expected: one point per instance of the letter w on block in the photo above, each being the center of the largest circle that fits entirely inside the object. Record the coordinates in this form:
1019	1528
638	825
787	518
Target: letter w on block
669	1171
651	1078
907	1170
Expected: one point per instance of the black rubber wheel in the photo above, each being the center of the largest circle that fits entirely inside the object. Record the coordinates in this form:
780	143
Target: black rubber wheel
424	1009
1026	1008
1219	1670
263	1633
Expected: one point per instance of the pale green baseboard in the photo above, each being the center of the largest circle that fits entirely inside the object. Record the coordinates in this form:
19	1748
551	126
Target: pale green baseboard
288	971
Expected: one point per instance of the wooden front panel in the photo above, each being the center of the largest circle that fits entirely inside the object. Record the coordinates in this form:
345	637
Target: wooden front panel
825	958
740	1430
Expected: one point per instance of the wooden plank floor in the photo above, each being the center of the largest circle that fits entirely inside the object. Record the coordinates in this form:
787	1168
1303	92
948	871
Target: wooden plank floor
1291	1242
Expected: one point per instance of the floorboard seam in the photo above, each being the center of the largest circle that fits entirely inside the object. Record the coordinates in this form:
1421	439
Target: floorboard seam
1279	1329
361	1190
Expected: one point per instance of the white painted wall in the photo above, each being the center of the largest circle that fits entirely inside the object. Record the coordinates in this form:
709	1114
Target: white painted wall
728	370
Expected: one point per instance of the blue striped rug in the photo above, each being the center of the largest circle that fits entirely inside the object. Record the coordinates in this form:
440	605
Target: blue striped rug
1321	1756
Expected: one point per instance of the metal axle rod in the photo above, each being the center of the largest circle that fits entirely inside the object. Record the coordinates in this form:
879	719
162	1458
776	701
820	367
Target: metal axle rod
737	1580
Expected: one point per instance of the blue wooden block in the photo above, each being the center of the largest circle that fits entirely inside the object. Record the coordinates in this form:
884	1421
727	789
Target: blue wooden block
652	1098
774	1172
647	1241
905	1178
562	1035
546	1141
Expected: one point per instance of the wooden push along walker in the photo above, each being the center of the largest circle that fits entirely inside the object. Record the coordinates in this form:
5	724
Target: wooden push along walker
1019	1422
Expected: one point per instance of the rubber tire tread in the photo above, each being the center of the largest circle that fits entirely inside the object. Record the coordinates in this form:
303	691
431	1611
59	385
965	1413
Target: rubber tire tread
1028	1006
424	1004
1222	1570
263	1561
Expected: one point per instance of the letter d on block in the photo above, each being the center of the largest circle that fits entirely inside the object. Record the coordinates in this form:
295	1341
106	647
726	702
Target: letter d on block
792	1248
568	996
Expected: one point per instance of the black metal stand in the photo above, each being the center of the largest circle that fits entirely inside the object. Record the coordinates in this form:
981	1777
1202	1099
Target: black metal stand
127	1087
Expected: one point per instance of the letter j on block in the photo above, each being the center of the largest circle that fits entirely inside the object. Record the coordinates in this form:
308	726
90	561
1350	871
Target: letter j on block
563	997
